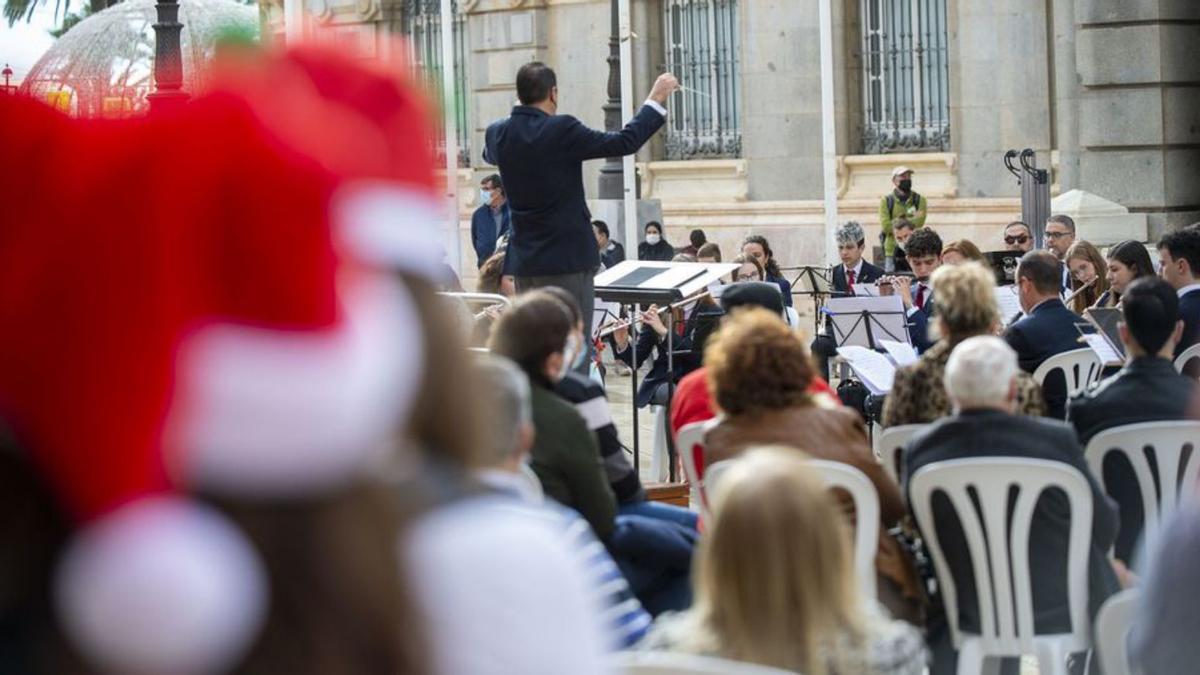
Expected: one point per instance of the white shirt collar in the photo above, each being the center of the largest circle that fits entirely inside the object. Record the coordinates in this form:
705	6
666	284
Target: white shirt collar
1189	288
857	269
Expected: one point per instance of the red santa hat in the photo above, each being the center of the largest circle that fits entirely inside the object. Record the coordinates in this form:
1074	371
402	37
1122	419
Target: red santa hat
205	300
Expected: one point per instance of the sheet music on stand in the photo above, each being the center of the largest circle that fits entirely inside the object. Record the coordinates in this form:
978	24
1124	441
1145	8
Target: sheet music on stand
1008	303
1098	342
1103	321
862	322
604	312
872	368
901	353
865	290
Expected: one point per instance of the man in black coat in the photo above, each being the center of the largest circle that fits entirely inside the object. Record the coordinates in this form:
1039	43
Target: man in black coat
853	271
1048	327
1179	253
1147	389
540	155
981	383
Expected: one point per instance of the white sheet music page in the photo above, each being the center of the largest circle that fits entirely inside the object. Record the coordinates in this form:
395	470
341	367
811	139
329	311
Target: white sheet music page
873	368
1108	355
902	353
866	290
1008	303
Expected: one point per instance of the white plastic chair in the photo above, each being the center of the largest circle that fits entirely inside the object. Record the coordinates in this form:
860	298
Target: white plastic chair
1005	612
1188	354
1168	440
1113	622
1081	368
670	663
891	444
687	441
866	508
712	476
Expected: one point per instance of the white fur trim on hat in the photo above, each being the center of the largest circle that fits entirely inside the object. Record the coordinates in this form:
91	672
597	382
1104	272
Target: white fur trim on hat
267	414
394	227
161	585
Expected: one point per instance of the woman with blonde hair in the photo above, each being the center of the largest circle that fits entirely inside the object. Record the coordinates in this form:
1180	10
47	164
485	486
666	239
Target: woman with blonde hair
775	584
964	306
1087	267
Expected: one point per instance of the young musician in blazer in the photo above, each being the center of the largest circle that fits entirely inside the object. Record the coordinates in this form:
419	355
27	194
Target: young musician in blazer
1179	253
687	347
924	250
853	271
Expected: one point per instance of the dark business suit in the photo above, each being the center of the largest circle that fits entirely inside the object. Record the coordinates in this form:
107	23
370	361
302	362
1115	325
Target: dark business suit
613	254
918	321
1146	389
484	233
989	433
824	346
1048	330
1189	311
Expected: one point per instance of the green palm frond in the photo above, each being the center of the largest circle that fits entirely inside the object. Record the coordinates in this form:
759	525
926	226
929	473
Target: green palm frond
16	10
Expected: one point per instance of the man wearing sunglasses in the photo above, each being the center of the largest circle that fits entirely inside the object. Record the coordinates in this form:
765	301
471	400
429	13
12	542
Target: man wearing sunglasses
1018	237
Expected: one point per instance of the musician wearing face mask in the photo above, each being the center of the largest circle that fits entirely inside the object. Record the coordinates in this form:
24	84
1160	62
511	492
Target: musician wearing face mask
901	202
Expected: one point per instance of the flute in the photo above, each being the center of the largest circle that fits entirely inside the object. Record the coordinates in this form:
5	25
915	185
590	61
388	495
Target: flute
626	323
1067	300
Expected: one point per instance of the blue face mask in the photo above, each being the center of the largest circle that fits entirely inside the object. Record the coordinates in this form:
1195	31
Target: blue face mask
485	197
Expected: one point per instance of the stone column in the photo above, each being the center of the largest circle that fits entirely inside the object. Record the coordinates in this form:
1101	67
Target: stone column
1139	108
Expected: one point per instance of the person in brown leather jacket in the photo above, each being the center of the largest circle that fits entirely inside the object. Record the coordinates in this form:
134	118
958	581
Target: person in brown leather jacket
758	374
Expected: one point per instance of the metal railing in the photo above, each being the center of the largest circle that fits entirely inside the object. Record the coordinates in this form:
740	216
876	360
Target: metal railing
906	102
702	48
423	26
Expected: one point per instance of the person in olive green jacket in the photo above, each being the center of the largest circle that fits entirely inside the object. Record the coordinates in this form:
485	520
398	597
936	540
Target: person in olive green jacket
536	333
901	202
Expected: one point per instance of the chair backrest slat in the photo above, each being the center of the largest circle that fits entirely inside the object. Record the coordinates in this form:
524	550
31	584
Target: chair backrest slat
1080	367
866	510
891	447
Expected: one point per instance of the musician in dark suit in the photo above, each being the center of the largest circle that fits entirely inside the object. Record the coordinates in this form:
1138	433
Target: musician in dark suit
1179	253
688	347
981	383
854	270
540	155
1048	327
924	251
1147	389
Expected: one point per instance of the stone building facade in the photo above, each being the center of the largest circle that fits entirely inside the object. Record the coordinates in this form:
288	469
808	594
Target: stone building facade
1106	91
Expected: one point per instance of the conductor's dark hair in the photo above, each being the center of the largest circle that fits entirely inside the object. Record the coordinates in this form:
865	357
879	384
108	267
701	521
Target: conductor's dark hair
534	82
923	242
494	181
601	227
1183	244
697	238
1042	269
1151	308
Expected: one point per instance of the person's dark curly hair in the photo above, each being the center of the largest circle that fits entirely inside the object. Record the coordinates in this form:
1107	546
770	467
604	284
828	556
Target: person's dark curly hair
922	243
755	363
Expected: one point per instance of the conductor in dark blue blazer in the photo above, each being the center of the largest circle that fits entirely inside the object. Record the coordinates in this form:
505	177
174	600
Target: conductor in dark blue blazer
1048	327
540	155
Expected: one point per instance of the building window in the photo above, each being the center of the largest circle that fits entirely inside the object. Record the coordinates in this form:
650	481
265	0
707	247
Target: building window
423	26
906	100
702	51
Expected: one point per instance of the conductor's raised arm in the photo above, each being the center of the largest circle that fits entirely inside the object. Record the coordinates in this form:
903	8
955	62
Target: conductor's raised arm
588	143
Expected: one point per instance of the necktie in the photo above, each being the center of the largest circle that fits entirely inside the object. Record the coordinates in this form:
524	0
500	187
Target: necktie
850	280
920	301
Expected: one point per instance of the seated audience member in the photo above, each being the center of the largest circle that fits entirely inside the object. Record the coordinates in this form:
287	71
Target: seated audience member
709	253
1087	266
1018	237
589	399
1179	253
758	375
693	325
696	240
757	246
965	307
692	402
854	270
924	251
1163	636
775	581
903	228
654	554
684	257
961	251
1127	261
506	435
1059	236
1147	389
750	270
655	246
1048	327
981	380
611	252
491	280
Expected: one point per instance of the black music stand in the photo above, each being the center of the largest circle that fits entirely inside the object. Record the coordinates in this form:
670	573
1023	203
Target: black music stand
863	321
817	283
636	283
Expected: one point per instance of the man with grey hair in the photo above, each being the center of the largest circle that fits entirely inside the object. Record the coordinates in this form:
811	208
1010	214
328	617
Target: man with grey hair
506	437
854	271
981	381
1060	235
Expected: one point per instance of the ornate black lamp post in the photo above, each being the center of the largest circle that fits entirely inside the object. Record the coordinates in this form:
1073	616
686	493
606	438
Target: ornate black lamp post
168	58
612	184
